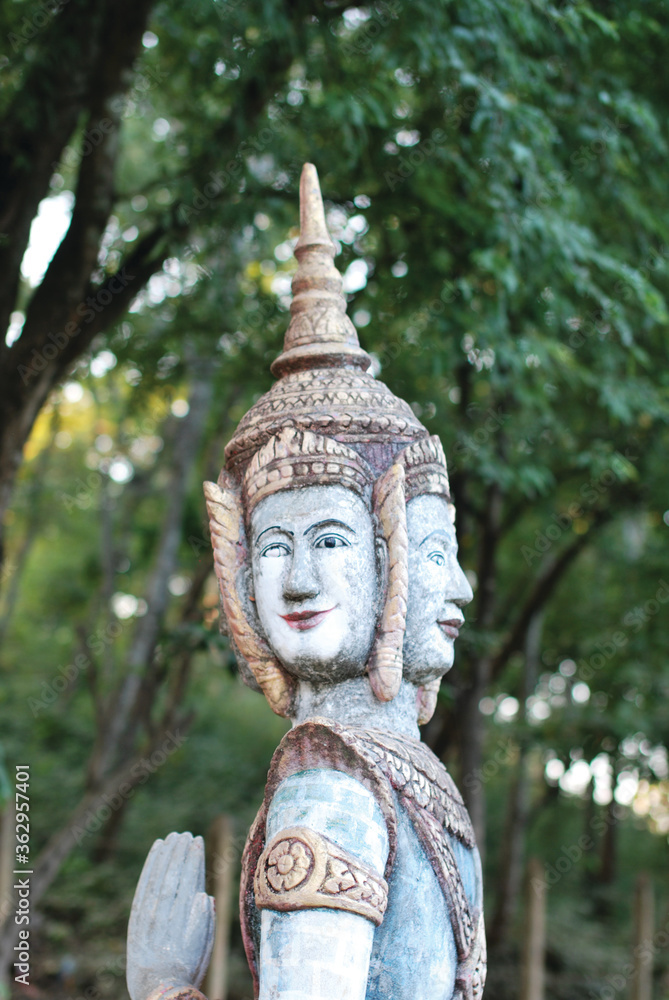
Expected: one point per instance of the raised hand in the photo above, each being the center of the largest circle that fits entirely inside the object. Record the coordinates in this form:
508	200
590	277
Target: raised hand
171	928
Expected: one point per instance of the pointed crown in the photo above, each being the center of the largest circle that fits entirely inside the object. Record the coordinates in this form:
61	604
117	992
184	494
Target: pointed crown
320	333
323	380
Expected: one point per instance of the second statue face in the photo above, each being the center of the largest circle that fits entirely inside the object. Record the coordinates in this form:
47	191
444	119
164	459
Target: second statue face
316	580
438	589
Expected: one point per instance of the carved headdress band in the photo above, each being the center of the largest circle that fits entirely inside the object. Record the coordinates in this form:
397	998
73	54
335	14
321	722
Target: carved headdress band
299	458
425	468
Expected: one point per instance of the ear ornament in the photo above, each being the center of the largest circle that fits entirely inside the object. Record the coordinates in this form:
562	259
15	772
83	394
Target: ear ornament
385	662
228	538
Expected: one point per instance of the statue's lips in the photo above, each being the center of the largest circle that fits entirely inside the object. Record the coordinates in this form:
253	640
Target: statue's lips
451	627
303	620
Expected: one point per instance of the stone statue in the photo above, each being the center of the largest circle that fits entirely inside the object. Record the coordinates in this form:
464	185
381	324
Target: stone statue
335	551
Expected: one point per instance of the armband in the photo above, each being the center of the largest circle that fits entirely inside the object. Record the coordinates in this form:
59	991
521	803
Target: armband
301	869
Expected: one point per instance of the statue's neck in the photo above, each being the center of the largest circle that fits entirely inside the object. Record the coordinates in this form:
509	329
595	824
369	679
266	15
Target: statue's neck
353	703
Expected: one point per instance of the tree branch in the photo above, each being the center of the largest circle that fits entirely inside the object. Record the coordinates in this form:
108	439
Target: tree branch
102	40
543	587
38	126
123	710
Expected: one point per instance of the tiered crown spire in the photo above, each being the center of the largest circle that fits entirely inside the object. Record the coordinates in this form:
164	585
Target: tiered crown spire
324	382
320	334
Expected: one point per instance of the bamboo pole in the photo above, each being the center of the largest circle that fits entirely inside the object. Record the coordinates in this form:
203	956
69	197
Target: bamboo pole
532	982
644	928
221	858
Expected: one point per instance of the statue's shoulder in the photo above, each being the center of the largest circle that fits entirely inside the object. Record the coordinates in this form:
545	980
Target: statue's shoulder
389	764
420	779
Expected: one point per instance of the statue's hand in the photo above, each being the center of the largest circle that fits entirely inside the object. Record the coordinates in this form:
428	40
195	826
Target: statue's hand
171	929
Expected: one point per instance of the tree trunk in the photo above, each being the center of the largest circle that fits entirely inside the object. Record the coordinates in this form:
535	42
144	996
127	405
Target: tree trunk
220	855
60	321
644	930
510	865
121	715
12	570
607	871
473	724
532	983
513	845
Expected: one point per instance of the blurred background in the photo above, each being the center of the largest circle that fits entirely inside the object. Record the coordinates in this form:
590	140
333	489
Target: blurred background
495	179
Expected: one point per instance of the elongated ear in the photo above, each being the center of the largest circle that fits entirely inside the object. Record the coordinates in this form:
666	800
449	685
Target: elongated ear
228	539
385	663
427	700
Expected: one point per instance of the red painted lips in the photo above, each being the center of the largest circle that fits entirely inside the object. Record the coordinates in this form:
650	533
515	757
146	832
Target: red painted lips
451	627
301	621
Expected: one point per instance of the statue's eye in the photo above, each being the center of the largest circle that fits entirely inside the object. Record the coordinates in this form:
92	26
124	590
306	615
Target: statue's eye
276	550
331	542
438	558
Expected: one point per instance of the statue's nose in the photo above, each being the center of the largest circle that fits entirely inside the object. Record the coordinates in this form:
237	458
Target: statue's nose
460	591
301	582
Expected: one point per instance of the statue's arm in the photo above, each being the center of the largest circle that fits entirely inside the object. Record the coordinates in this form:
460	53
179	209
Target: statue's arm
171	928
327	845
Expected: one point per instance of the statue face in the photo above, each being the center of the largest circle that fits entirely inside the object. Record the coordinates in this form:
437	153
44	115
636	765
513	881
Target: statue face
315	580
438	589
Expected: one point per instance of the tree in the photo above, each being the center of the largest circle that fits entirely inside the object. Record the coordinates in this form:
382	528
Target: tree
495	176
